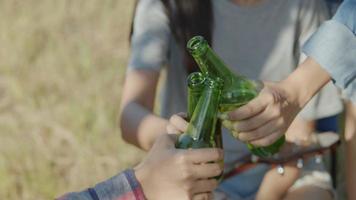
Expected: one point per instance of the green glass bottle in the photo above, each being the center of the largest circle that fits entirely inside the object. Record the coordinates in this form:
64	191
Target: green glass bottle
201	128
237	90
196	85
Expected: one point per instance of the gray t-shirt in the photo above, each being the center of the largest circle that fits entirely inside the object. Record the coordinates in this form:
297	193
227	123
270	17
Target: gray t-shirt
260	42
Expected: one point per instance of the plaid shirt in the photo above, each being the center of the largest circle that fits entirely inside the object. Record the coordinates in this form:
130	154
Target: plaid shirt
123	186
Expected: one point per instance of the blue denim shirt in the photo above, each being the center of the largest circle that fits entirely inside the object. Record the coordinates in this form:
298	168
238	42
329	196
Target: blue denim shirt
333	46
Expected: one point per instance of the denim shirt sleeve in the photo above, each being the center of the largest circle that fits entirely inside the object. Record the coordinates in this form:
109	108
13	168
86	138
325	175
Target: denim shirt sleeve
333	46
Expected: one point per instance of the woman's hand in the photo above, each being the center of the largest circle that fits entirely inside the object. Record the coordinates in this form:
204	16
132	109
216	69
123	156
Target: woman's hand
267	117
170	173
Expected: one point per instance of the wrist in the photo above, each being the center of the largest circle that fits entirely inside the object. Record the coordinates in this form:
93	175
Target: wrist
305	82
294	94
141	177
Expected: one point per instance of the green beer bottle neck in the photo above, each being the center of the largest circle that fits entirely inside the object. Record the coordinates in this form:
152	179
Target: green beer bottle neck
195	88
237	90
208	61
203	121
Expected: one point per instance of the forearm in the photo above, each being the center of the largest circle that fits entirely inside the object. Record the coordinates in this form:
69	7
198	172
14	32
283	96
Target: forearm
140	126
305	82
333	46
350	137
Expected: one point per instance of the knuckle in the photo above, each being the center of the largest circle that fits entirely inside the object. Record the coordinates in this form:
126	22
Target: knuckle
268	141
188	187
204	196
241	126
218	154
257	133
187	174
280	122
243	136
181	158
171	119
217	168
170	129
213	183
235	125
269	97
250	109
215	154
207	196
275	112
263	142
174	118
186	196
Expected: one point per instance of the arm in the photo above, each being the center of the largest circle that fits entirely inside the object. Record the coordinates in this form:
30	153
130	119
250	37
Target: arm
331	53
138	123
180	174
326	102
333	46
149	47
350	138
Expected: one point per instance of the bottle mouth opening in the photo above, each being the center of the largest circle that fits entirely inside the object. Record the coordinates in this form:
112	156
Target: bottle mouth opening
197	45
196	79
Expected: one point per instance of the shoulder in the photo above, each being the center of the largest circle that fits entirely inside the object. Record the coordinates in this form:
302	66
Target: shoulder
312	12
346	11
312	5
148	6
303	7
150	12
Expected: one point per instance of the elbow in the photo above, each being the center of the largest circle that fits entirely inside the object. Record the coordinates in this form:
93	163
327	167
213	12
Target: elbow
130	137
125	133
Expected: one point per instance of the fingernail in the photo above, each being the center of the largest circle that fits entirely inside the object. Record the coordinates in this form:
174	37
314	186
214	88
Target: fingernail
235	125
218	172
221	164
227	124
221	153
223	116
235	134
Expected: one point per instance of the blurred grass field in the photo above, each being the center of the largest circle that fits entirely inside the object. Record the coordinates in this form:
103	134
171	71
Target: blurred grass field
62	64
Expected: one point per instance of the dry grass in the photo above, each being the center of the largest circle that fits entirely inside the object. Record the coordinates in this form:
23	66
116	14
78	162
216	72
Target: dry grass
61	69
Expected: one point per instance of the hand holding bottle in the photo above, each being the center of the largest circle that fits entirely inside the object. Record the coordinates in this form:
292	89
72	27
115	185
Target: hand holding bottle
264	119
267	117
170	173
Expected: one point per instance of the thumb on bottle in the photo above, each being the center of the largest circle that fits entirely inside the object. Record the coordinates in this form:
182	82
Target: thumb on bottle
166	141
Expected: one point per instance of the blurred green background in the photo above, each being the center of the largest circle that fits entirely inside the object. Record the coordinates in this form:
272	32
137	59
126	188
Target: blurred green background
62	64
